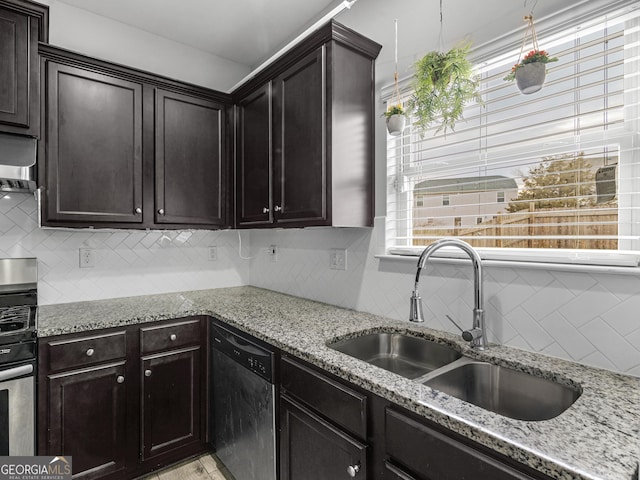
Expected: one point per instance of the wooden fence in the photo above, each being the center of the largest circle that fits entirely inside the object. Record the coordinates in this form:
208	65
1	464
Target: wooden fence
539	229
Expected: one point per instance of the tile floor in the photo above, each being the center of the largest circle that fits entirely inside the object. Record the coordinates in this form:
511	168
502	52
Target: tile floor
204	467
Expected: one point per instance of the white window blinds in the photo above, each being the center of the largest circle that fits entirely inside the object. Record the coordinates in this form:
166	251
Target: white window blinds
558	169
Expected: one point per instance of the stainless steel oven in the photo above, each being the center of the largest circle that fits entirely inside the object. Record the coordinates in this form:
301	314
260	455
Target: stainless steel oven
18	319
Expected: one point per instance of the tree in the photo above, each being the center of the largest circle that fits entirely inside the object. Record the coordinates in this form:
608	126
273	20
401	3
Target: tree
559	181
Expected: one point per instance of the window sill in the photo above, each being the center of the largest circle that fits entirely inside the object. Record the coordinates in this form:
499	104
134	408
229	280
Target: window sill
620	264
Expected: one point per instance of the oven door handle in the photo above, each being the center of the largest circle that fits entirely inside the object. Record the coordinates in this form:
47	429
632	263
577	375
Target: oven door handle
15	372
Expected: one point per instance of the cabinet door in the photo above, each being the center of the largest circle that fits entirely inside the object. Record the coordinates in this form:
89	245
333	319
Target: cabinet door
299	139
171	401
18	73
86	419
313	449
93	146
190	167
435	455
253	159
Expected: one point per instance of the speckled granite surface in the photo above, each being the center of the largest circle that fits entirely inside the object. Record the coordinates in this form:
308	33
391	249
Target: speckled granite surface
597	438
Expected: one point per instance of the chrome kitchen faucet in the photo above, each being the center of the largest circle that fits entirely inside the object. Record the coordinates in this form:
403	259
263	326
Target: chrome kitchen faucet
477	335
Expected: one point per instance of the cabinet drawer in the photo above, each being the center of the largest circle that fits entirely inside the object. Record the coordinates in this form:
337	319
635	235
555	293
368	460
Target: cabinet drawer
433	454
391	472
78	352
335	401
174	335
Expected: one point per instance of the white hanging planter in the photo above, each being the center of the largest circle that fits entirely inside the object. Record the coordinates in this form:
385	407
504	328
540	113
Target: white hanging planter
395	124
530	77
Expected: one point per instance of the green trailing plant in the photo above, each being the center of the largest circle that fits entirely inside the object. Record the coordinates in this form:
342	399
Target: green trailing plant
444	84
394	110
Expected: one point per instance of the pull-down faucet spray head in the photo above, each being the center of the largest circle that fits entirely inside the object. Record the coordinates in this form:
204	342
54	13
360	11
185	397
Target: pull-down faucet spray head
415	308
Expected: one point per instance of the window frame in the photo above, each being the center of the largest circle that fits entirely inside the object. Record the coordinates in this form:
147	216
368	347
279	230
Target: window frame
618	257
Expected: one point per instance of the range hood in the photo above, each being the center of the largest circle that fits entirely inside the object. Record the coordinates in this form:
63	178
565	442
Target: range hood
17	163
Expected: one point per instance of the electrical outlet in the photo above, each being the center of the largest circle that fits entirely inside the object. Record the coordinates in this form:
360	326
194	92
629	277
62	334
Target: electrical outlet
213	253
87	258
272	251
338	259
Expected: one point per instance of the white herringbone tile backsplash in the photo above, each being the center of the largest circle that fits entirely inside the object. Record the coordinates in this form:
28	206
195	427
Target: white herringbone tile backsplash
591	318
127	262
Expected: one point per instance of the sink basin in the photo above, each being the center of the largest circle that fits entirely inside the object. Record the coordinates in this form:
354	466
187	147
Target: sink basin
505	391
403	354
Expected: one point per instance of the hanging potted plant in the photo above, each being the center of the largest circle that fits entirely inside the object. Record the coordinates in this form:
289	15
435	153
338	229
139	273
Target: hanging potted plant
396	119
444	84
530	72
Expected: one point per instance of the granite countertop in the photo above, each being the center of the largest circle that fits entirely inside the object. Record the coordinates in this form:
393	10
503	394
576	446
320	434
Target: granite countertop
597	438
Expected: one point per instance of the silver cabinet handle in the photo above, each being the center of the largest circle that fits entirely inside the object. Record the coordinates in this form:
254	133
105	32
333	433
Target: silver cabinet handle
138	210
353	470
277	208
161	211
265	210
120	379
173	337
90	352
147	373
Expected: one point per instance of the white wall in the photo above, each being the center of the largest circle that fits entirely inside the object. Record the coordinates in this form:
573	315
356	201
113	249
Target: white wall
128	263
590	318
84	32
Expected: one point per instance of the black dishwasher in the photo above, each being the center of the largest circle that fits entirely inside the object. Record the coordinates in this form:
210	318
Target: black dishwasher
243	395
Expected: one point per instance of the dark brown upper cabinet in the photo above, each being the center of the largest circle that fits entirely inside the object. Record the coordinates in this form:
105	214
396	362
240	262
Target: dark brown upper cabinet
253	157
123	148
22	25
305	133
94	146
189	159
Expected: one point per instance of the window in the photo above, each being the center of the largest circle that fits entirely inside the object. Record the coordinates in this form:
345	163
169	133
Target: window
558	169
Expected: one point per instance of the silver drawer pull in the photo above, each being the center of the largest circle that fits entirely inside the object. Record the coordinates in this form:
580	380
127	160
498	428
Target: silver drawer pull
147	373
265	210
120	379
90	352
173	337
353	470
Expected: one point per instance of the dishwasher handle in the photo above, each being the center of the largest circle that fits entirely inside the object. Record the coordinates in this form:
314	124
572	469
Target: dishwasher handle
221	336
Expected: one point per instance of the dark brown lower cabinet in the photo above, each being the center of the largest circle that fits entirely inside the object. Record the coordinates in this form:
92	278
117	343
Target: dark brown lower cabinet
332	429
391	472
314	449
123	402
431	453
170	406
87	415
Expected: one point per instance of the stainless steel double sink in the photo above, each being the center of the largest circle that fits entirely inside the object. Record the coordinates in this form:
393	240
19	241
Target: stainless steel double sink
495	388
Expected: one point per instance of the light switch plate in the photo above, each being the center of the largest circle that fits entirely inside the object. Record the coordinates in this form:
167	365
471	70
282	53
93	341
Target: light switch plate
213	253
338	259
